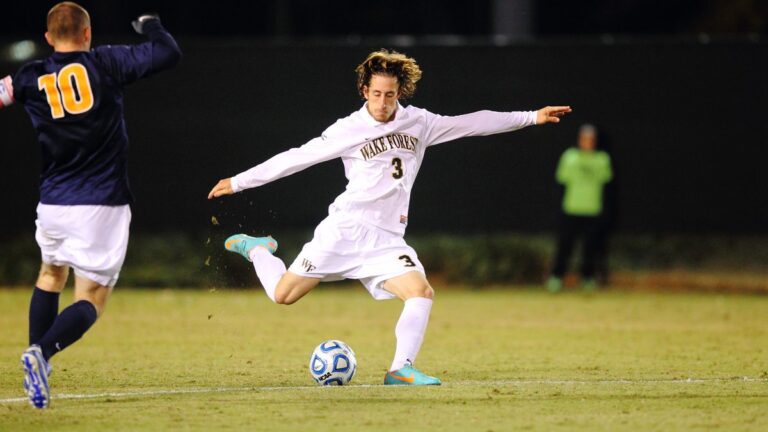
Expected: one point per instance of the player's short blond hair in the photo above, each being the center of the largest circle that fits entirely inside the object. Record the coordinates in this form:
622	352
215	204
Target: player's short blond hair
67	20
390	63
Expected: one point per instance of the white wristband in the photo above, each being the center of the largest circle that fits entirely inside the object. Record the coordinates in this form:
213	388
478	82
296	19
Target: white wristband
6	92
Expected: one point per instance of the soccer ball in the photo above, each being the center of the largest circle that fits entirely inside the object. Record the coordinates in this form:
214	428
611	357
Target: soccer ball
332	363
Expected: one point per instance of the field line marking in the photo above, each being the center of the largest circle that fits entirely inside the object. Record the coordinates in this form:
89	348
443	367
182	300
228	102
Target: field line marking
611	381
199	390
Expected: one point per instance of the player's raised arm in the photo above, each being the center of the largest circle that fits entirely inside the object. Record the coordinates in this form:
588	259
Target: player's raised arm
165	51
6	92
129	63
448	128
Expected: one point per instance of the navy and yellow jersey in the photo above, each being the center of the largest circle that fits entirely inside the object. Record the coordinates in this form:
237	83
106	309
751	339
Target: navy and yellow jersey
75	102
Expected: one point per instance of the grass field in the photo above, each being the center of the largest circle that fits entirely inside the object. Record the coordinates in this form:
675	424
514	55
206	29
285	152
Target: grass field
510	360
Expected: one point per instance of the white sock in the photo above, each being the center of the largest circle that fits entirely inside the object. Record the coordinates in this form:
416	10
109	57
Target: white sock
269	269
410	330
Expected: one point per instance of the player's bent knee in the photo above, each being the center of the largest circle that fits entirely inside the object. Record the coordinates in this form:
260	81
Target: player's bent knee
284	295
421	290
99	307
100	304
289	291
424	290
97	295
410	285
283	299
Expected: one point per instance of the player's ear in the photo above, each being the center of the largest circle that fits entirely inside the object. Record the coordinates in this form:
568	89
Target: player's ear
49	39
365	92
87	35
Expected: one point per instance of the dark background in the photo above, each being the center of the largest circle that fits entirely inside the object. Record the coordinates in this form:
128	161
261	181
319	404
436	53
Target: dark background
317	18
677	88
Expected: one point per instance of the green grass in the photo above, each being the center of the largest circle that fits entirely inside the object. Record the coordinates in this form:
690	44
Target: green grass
510	360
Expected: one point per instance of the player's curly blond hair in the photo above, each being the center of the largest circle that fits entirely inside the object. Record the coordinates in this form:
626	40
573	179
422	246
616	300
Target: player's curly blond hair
391	63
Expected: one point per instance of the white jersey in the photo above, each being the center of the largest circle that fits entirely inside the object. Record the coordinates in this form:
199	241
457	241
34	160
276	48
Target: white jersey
381	160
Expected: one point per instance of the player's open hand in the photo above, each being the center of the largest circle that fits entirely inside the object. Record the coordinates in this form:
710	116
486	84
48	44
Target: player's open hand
551	114
223	187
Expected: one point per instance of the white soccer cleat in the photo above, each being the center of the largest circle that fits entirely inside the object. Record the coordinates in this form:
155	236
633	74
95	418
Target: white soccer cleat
36	372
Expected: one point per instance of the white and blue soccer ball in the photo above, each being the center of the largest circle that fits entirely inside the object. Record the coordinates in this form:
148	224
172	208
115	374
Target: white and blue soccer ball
332	363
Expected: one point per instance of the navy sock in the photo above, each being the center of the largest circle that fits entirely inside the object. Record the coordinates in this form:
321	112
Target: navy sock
70	325
43	309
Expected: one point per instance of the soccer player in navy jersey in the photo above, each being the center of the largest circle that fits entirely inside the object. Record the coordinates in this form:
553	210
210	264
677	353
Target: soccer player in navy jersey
75	101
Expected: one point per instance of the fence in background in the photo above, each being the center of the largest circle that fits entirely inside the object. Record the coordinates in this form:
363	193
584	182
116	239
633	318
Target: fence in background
682	120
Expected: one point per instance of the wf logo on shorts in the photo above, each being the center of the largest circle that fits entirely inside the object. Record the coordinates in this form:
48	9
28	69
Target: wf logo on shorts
308	266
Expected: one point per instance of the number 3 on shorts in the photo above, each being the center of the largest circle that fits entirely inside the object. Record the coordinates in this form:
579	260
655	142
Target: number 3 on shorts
69	90
407	260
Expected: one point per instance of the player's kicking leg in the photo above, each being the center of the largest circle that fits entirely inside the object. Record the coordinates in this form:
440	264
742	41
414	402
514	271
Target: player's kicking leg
281	286
417	294
285	287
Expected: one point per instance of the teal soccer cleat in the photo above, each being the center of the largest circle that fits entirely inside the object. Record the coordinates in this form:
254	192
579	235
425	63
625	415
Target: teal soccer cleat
242	244
409	375
36	372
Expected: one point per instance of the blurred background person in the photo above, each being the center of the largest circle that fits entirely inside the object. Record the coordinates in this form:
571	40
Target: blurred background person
584	172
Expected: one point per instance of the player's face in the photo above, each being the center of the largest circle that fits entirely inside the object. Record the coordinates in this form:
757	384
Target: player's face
587	141
382	95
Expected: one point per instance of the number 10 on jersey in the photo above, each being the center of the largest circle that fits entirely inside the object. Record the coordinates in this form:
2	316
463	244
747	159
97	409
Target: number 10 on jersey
68	90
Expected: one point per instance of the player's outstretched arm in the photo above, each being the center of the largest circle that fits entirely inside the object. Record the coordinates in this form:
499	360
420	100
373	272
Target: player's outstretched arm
551	114
279	166
330	145
448	128
223	187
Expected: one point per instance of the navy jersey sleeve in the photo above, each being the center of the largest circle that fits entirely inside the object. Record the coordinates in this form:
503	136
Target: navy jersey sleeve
128	63
25	82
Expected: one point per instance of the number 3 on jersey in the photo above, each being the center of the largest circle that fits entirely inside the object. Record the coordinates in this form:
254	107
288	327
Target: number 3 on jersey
398	164
69	90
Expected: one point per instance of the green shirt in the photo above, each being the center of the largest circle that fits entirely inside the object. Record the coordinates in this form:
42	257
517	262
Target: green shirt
583	173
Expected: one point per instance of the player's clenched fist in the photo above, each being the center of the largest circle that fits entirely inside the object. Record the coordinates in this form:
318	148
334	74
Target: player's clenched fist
551	114
223	187
138	23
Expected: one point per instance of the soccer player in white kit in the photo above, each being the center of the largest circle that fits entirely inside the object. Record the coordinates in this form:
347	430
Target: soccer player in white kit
382	146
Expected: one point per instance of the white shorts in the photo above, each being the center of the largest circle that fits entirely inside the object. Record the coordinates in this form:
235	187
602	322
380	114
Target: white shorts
92	239
344	248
